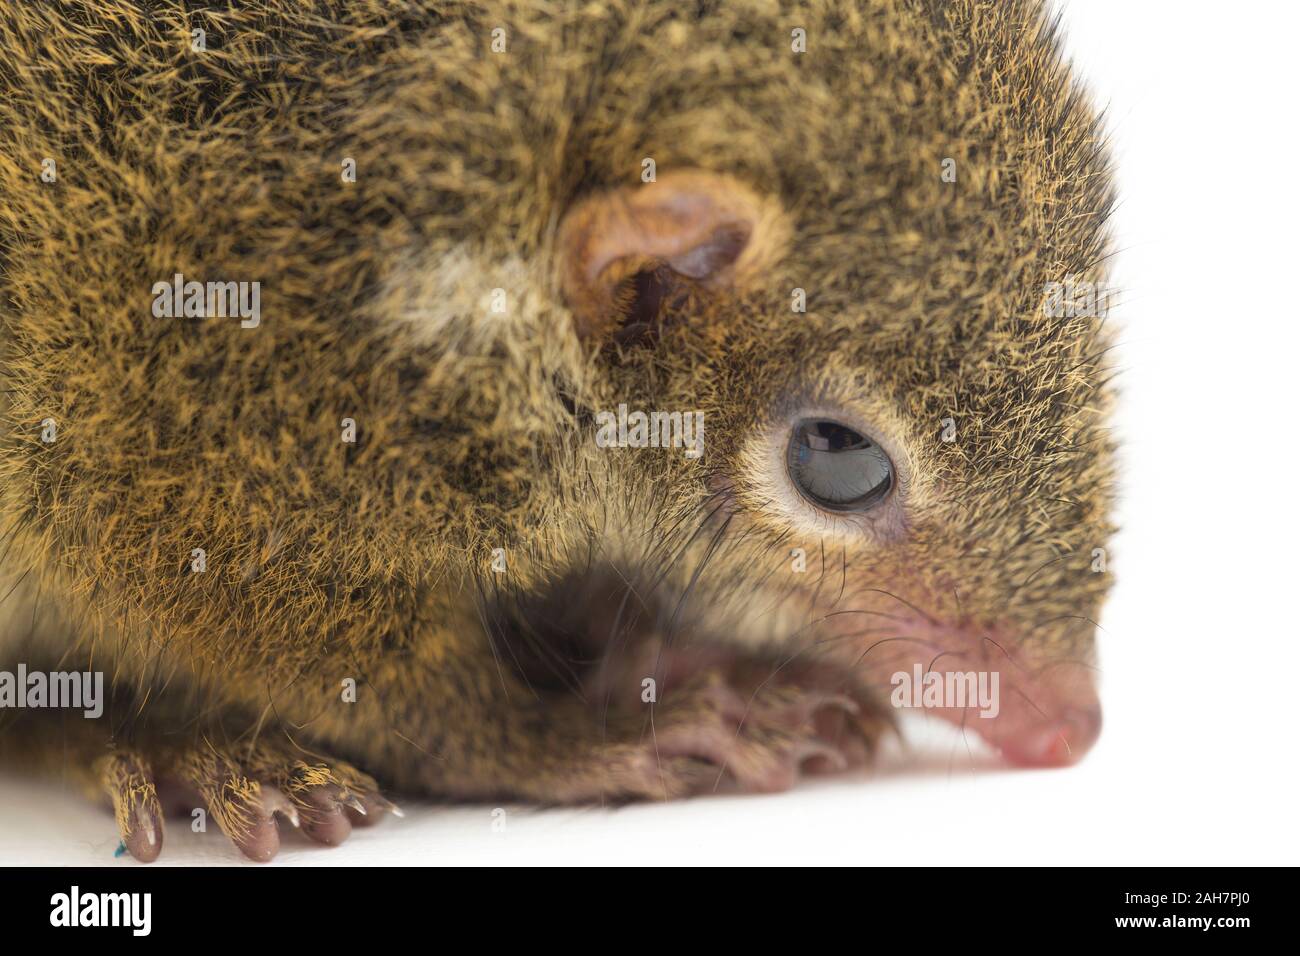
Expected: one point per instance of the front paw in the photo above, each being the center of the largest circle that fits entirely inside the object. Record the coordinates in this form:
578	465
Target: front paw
722	732
760	740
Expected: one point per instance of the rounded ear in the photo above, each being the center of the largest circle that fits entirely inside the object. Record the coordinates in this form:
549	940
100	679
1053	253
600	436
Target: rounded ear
626	252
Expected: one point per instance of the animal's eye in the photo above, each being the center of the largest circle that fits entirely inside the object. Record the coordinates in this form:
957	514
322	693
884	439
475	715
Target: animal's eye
837	468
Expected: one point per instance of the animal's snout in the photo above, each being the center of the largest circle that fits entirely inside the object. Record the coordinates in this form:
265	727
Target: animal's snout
1037	711
1056	741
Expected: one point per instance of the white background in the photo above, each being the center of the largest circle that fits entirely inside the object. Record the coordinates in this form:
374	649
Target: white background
1200	683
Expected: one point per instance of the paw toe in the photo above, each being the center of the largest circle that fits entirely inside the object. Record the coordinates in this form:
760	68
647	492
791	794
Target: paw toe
130	786
322	810
143	837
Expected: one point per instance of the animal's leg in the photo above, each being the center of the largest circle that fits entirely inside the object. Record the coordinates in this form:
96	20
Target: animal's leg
720	722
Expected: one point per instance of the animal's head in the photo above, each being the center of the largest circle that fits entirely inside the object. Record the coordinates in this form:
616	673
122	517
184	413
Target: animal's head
870	283
830	233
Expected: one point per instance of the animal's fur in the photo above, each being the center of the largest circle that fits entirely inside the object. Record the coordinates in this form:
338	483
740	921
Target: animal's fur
372	561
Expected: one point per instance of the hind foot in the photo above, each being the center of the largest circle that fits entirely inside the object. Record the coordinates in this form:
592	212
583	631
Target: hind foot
243	790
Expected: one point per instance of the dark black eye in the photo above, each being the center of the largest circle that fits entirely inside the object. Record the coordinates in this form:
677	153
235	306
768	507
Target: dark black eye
837	468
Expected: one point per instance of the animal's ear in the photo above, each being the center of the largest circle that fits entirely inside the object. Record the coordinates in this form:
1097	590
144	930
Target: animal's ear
627	253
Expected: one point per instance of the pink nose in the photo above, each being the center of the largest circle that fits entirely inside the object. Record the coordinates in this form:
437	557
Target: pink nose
1057	742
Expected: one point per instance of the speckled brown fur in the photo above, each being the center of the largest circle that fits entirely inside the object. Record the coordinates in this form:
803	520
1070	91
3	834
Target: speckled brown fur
329	561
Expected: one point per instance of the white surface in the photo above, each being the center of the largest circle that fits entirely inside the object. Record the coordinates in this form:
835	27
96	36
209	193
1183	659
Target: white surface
1197	764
